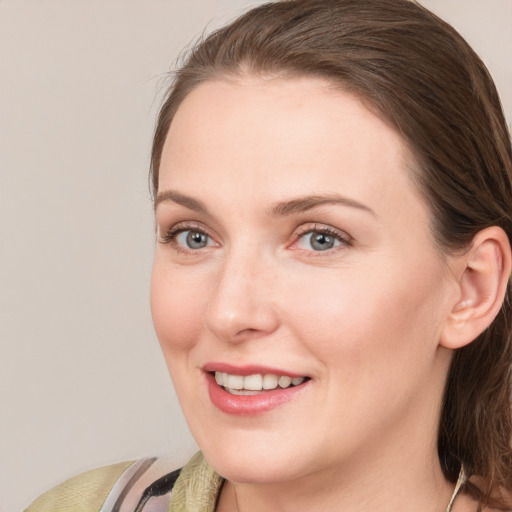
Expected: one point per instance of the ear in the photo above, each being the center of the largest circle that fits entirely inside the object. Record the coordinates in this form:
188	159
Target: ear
484	272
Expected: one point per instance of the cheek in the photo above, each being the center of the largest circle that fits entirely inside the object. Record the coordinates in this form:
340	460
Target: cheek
365	318
176	307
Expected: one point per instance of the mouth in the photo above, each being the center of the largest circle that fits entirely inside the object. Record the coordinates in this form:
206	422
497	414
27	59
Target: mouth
256	383
252	390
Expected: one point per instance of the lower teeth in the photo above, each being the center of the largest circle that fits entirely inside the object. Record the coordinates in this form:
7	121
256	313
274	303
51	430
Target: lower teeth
250	392
243	391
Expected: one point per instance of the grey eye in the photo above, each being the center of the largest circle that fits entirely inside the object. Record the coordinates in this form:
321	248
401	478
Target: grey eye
196	240
321	241
193	239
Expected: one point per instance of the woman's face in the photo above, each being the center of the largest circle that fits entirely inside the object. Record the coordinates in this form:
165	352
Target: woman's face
293	244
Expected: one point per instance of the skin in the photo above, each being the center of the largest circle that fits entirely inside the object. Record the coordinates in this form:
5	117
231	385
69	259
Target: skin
363	320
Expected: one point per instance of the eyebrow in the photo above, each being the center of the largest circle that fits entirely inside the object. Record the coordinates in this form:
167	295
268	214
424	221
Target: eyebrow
305	203
182	199
281	209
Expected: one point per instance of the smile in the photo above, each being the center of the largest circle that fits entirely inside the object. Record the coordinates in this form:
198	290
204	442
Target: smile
251	390
256	383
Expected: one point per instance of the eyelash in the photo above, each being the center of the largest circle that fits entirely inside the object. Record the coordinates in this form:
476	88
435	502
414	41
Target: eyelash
344	239
171	235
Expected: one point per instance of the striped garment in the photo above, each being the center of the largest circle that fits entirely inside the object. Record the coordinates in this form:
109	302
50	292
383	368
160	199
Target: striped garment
145	485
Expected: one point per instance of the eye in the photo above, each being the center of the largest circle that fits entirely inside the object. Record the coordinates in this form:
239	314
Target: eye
321	239
193	239
187	239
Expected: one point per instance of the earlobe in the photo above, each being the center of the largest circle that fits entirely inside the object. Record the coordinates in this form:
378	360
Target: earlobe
486	268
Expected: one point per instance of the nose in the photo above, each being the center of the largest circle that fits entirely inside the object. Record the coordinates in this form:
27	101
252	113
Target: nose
242	305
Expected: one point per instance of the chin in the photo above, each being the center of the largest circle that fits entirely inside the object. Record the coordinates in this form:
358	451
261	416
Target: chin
258	456
250	468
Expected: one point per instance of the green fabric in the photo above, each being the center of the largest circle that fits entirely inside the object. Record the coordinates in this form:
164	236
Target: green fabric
83	493
197	487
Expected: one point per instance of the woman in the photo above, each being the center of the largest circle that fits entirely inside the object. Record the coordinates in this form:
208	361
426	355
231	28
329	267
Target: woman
333	190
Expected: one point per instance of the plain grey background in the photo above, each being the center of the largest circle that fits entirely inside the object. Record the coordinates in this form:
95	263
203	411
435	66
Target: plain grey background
82	381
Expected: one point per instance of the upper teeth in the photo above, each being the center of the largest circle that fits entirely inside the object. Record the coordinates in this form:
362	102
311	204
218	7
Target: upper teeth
256	382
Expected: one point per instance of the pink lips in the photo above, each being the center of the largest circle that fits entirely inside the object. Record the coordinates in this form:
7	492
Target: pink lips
248	405
246	369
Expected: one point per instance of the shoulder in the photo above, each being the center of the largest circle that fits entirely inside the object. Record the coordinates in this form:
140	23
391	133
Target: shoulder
83	493
116	487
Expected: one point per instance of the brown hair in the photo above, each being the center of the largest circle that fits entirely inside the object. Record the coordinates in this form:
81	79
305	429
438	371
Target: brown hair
422	77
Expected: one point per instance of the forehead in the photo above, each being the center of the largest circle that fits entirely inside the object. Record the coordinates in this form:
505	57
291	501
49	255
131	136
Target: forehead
259	135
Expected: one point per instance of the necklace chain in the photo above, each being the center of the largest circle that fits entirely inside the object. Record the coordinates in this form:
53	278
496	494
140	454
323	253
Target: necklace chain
458	485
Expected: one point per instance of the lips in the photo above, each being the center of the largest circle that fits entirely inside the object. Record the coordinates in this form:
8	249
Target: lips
251	390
